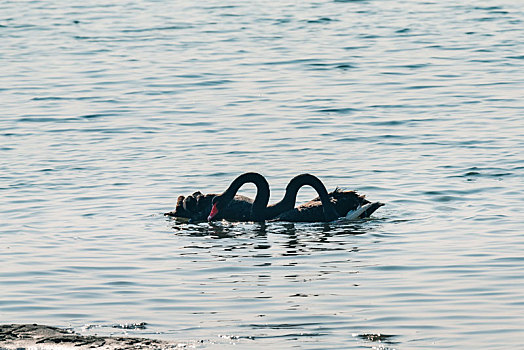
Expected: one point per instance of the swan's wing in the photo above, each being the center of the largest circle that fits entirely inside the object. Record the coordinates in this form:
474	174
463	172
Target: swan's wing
354	214
363	211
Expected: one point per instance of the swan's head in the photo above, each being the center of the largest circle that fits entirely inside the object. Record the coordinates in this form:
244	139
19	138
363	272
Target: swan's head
217	205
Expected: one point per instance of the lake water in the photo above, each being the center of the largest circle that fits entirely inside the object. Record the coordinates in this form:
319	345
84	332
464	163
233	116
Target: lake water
110	110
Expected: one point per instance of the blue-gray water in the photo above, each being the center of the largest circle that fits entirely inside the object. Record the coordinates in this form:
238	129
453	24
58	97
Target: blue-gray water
110	110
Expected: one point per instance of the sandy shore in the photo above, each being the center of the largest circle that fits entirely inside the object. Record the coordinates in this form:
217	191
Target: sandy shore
40	337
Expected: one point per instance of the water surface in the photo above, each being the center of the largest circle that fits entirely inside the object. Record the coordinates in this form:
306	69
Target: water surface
110	111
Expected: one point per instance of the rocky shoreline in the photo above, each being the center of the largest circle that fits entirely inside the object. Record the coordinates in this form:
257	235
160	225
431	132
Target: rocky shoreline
41	337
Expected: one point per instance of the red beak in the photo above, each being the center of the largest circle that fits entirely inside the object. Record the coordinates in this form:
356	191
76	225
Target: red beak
214	212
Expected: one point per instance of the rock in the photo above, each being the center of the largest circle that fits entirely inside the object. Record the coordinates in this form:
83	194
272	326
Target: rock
41	337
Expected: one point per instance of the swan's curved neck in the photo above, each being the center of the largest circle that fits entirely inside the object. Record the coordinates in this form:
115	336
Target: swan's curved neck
290	197
261	199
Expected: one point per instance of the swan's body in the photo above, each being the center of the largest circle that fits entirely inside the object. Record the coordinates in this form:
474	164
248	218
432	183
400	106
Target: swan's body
196	208
349	204
229	206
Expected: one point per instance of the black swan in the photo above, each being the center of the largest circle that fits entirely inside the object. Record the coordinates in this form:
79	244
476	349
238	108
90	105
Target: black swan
349	204
197	207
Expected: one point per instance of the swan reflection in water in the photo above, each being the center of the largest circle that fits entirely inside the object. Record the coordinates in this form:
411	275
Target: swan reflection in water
281	238
229	206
